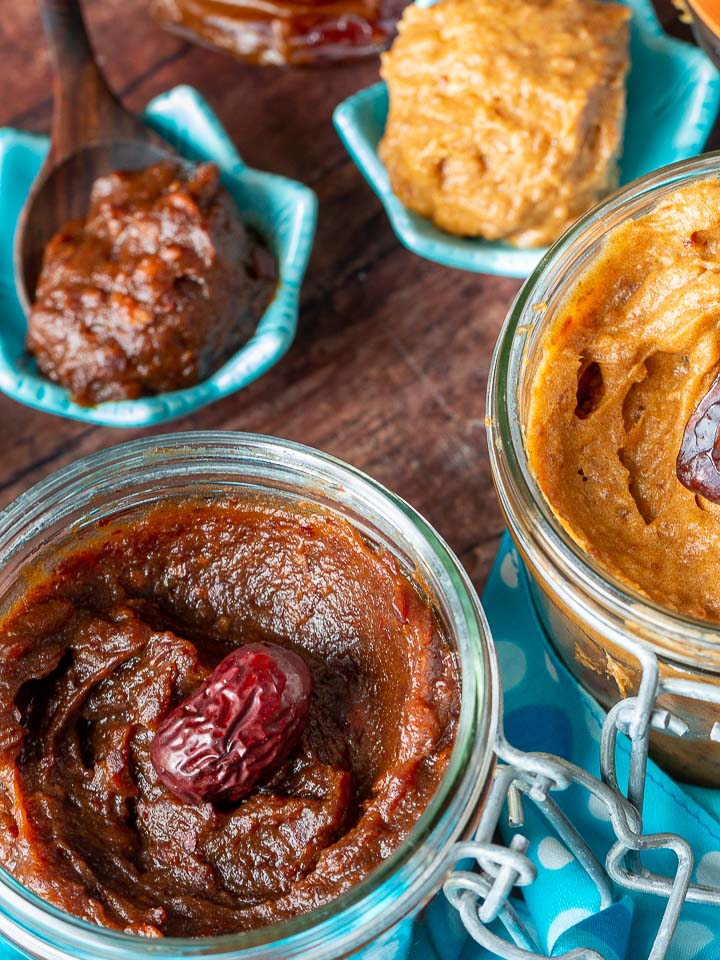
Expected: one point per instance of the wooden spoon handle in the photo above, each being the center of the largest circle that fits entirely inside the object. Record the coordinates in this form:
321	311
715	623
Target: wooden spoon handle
86	110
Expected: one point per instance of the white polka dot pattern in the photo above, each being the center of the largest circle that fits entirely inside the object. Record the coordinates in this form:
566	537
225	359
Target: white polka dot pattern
597	808
513	663
551	668
553	855
563	922
509	570
708	869
690	940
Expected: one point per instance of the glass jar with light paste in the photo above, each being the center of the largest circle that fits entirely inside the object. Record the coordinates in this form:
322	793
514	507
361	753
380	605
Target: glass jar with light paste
588	609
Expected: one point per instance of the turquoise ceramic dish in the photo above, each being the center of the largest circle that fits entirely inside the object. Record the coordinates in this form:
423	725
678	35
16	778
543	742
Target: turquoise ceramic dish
282	211
672	100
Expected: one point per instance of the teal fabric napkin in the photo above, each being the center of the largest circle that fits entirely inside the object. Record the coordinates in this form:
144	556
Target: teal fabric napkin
546	710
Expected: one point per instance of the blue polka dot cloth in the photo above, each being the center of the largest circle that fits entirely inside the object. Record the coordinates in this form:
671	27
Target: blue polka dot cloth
545	710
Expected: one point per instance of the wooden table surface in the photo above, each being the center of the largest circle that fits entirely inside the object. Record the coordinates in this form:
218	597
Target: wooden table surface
390	363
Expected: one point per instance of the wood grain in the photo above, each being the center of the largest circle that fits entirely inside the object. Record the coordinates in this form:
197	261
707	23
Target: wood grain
390	364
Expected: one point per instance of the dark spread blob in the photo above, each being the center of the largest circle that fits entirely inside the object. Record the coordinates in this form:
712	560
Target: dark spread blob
97	654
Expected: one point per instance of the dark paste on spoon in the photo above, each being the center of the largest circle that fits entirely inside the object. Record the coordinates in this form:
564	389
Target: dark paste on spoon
118	632
153	291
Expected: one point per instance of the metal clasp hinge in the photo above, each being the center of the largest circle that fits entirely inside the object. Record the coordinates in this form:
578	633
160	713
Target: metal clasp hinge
482	895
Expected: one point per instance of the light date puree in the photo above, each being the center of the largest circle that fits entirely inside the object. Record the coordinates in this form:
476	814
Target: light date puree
104	645
626	364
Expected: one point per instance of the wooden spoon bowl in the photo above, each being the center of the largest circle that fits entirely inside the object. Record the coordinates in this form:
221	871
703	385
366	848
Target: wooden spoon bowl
92	135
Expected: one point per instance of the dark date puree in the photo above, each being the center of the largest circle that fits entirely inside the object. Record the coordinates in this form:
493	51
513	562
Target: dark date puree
153	291
101	648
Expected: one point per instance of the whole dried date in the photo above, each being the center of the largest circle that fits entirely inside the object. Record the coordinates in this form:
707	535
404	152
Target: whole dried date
698	463
237	728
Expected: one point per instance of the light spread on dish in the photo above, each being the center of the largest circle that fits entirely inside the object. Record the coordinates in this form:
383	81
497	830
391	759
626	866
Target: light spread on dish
506	116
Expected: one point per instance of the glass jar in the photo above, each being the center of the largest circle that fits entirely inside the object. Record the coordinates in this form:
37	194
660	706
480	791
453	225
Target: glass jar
285	32
587	612
375	919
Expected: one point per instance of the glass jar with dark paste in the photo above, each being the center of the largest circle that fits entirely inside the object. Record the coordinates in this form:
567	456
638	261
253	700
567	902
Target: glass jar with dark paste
169	594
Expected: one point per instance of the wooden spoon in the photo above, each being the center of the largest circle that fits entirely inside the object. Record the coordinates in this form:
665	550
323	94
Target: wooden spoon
92	135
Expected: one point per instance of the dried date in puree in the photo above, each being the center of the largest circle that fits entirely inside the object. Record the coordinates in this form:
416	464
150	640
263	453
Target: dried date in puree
624	365
95	654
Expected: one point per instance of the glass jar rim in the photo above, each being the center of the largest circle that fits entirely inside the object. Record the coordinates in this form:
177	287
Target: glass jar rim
672	634
410	874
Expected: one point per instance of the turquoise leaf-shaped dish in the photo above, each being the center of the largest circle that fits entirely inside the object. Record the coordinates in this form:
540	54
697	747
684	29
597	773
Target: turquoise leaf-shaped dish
282	211
672	99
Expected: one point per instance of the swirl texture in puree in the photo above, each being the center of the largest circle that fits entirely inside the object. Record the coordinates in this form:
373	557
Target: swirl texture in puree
97	651
623	366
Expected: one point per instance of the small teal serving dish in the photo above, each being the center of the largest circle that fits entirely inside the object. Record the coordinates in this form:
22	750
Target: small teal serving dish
673	92
282	211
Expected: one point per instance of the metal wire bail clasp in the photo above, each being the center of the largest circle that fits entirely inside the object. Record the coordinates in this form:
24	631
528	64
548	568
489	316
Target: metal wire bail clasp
635	717
482	895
